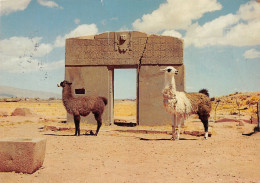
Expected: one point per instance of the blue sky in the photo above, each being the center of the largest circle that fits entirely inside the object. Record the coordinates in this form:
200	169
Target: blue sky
221	37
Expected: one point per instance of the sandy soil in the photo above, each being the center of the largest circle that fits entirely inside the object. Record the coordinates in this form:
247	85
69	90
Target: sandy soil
227	156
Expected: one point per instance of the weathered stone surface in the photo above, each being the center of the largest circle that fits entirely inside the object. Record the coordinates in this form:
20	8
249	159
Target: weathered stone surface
24	155
163	50
104	49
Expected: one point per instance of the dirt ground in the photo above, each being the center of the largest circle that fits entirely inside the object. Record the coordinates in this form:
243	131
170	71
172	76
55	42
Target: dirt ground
113	156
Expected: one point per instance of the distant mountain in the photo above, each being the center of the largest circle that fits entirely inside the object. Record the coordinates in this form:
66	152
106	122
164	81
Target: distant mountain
10	92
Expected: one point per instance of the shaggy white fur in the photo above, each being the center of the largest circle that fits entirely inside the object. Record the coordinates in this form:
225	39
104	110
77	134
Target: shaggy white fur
176	103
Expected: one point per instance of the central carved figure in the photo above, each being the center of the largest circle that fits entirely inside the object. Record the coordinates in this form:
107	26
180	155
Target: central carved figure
123	42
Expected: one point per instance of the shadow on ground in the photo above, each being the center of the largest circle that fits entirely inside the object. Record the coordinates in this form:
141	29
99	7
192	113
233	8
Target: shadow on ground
165	139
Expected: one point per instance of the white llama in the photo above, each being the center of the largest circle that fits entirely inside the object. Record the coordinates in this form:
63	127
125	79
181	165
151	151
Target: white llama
181	104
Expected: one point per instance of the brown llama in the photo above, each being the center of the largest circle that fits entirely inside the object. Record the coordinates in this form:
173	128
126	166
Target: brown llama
82	106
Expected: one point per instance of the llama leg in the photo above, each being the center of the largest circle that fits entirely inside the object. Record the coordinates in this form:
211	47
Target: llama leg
99	122
205	123
204	117
204	120
173	127
77	128
181	119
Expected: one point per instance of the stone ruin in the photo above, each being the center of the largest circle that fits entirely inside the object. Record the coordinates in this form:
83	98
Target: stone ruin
91	60
21	155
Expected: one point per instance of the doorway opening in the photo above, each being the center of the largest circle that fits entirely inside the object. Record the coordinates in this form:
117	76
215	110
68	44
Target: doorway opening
125	97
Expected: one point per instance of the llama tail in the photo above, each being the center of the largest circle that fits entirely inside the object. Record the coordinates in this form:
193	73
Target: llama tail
104	100
204	91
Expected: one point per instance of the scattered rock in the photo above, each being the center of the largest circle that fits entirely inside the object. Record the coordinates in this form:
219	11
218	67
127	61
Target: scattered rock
50	128
3	113
22	112
240	123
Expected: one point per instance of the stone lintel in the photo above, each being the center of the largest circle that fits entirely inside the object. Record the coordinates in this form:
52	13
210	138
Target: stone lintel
124	48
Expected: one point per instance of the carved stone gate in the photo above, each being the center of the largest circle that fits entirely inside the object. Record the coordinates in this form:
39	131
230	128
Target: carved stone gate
91	60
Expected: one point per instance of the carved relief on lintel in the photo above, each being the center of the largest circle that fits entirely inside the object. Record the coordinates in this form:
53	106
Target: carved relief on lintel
123	41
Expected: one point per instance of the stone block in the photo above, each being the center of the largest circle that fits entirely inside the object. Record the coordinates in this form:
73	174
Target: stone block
24	155
104	49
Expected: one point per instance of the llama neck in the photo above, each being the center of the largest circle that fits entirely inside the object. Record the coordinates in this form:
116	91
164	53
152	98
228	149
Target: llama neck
66	94
170	82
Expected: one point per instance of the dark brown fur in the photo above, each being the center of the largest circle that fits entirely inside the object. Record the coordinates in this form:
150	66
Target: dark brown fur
201	105
82	106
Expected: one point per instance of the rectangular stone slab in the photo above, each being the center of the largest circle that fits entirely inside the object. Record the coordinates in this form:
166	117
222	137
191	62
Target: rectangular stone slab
104	50
24	155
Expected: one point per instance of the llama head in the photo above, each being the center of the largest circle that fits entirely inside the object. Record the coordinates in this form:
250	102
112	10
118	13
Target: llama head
64	83
170	71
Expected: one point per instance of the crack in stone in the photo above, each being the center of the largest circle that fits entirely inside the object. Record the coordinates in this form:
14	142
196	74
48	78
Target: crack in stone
138	81
140	60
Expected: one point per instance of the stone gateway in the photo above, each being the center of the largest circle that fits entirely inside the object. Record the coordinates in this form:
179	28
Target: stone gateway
90	62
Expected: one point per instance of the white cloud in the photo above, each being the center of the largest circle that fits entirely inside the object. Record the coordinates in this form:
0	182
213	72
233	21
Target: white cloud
18	65
249	11
24	46
172	33
175	14
210	33
50	4
23	54
81	30
77	21
240	29
244	34
27	64
7	7
251	54
54	65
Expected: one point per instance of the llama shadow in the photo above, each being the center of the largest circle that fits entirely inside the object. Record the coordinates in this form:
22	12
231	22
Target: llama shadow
51	134
164	139
256	130
249	134
71	135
